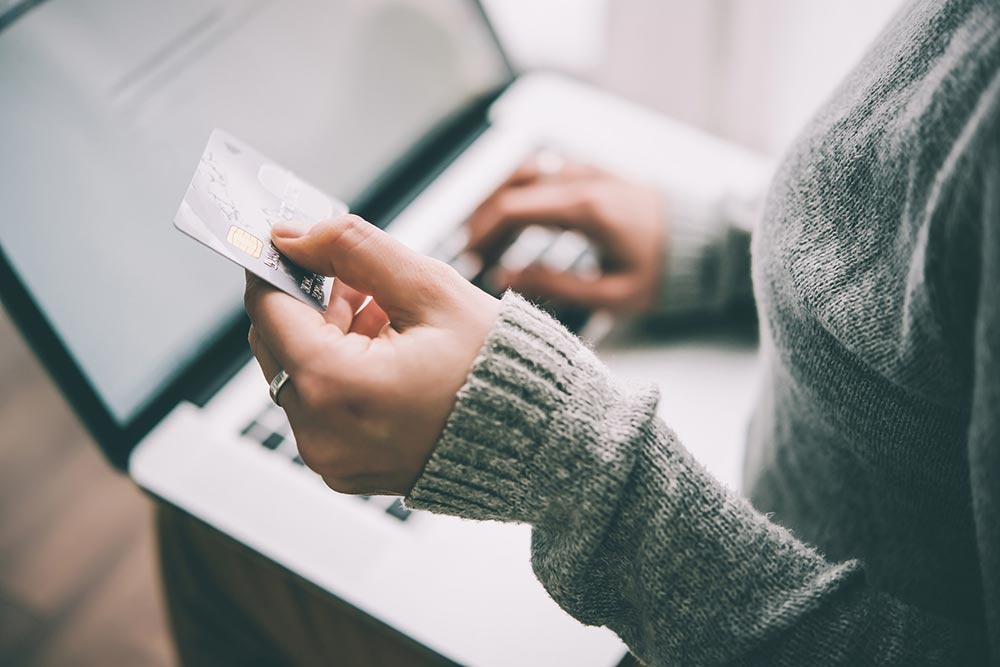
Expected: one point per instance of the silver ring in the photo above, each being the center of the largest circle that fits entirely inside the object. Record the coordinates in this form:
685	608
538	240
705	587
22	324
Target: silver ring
276	384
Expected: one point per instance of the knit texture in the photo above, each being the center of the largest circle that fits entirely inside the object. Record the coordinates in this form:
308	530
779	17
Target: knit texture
706	265
876	438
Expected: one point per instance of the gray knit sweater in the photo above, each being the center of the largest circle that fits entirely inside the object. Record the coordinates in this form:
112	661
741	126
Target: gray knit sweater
872	530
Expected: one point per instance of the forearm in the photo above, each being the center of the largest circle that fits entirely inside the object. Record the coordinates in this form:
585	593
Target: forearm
631	532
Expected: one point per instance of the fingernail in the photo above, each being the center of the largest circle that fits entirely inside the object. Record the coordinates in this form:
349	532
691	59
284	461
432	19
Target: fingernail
290	230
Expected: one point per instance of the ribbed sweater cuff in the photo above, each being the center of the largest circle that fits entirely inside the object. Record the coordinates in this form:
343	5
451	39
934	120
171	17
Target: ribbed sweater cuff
695	231
521	429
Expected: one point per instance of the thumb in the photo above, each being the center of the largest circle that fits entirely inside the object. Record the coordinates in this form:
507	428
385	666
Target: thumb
364	257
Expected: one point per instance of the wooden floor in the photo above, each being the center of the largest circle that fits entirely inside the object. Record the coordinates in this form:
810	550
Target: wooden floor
78	583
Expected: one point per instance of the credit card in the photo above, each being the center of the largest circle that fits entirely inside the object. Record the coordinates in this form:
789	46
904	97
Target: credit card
236	196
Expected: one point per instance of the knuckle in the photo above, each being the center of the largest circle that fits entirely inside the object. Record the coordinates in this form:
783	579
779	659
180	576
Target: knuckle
250	296
439	272
355	230
499	214
592	201
351	222
347	233
253	339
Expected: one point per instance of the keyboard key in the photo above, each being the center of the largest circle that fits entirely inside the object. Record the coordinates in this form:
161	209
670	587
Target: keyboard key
298	460
530	244
565	251
273	441
587	266
397	510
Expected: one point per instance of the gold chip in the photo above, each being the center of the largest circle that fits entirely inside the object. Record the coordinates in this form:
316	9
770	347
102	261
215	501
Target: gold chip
245	241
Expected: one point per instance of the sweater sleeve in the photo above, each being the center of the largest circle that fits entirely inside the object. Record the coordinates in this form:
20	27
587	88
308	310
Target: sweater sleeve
630	532
706	258
984	425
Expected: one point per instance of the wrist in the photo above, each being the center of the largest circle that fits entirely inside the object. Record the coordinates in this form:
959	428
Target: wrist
521	435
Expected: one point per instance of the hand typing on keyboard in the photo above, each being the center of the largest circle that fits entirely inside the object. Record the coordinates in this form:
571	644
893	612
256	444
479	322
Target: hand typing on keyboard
623	220
369	390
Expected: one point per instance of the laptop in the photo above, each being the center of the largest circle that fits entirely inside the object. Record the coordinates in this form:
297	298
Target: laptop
409	110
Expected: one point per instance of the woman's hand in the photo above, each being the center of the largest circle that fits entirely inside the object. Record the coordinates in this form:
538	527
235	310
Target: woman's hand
623	220
369	391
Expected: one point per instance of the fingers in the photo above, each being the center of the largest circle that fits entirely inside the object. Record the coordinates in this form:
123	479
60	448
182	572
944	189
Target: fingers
367	259
557	204
526	173
354	311
344	303
370	321
291	330
270	368
549	165
543	168
608	291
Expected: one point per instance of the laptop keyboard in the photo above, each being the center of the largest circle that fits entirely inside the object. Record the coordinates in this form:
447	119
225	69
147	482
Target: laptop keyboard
270	429
559	250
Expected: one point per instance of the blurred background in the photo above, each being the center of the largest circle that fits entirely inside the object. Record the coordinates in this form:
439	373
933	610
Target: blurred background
78	581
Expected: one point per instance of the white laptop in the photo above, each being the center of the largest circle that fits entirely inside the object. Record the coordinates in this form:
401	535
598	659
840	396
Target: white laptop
405	108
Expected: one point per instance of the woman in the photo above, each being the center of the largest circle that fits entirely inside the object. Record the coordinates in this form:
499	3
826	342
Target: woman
873	464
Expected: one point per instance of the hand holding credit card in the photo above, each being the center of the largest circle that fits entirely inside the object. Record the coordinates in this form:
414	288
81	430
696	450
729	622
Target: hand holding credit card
236	196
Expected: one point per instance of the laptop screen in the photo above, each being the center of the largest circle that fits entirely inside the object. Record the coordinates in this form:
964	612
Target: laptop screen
105	107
